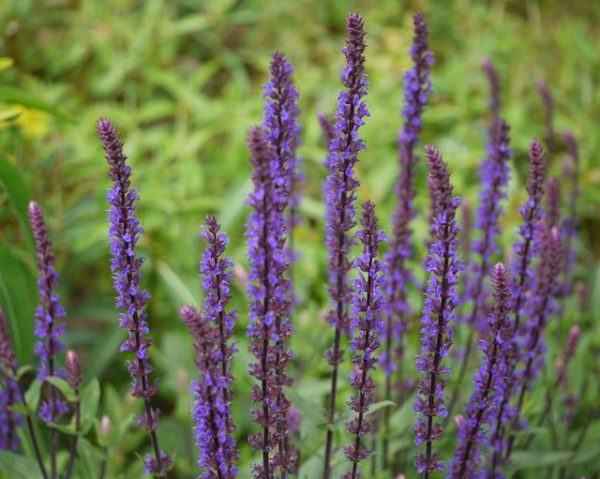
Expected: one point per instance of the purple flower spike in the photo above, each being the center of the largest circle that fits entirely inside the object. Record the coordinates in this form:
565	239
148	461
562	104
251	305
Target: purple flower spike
49	314
73	369
216	274
366	322
540	306
522	254
490	381
211	412
438	313
327	128
269	292
492	74
417	85
548	102
340	196
569	225
124	232
494	176
553	203
10	394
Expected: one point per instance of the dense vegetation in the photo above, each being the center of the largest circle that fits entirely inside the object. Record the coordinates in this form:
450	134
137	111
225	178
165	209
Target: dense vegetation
183	84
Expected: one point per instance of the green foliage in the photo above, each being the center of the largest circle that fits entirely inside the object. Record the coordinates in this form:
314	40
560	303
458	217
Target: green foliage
182	80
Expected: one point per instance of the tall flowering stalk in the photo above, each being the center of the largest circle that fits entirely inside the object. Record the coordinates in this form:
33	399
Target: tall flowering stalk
569	226
48	326
13	392
210	413
282	134
521	271
366	323
540	307
548	103
215	271
438	313
340	195
490	381
553	203
494	81
124	232
74	375
269	292
417	85
10	393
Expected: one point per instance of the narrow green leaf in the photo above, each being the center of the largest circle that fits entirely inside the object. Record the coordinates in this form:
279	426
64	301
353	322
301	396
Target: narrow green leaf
11	94
90	398
63	387
380	405
18	467
23	370
32	396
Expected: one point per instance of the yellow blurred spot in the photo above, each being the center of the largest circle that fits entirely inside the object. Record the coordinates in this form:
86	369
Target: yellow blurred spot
5	63
34	123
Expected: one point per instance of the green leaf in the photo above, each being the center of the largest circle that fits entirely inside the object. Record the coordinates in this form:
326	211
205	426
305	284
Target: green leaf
17	296
18	467
90	398
64	428
536	459
380	405
63	386
10	94
23	370
19	195
19	408
308	409
32	396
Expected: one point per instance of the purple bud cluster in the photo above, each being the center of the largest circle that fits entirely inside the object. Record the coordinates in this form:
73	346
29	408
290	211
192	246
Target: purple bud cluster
417	85
569	226
441	300
553	198
269	291
489	383
48	325
366	323
124	233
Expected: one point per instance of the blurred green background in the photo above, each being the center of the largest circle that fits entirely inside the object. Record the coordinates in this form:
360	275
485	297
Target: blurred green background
182	79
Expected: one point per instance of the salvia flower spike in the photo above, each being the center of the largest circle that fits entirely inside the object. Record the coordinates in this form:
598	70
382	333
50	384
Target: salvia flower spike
522	274
366	323
210	413
569	225
553	198
48	326
282	134
340	197
9	394
124	233
548	103
490	380
269	292
417	86
540	307
216	274
494	81
494	179
441	300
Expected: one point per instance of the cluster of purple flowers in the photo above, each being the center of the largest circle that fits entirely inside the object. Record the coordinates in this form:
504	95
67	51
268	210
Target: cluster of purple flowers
124	232
340	197
368	305
441	300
